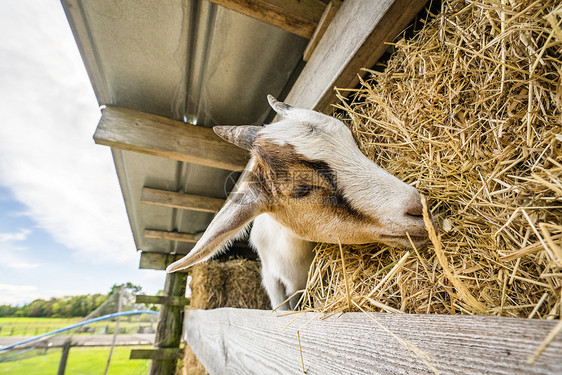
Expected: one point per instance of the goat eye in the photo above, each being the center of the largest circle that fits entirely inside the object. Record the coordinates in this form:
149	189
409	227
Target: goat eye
302	190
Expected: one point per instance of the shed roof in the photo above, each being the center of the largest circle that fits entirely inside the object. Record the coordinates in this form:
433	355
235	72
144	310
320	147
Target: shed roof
191	61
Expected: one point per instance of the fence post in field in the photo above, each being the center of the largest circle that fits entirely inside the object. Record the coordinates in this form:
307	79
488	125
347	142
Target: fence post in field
64	356
170	324
119	307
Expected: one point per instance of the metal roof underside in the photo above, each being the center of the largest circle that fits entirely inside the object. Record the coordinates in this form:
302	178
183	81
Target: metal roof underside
191	61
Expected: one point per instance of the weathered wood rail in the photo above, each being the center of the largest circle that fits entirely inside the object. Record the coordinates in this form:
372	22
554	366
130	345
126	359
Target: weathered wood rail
130	130
354	39
82	340
241	341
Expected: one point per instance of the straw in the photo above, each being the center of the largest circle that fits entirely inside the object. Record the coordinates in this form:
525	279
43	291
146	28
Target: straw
469	111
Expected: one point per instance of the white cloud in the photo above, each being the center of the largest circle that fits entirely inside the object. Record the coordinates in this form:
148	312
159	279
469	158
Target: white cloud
17	294
151	274
17	262
49	114
13	254
13	294
21	235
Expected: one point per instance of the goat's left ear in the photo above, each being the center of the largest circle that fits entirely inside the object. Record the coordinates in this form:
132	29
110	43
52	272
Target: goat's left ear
229	222
242	136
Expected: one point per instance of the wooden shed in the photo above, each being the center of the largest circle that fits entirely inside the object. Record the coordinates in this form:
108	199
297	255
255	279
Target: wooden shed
164	72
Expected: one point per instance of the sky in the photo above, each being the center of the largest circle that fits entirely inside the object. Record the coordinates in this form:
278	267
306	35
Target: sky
63	224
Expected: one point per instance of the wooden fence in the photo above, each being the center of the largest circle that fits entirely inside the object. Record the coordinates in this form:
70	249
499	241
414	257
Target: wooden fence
240	341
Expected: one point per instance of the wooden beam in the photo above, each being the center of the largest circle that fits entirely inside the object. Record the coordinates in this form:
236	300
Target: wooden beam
170	236
354	39
157	261
240	341
325	20
160	136
182	201
158	354
162	300
299	17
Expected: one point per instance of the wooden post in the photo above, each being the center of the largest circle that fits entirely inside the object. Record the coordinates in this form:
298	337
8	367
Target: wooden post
64	356
354	39
170	324
119	306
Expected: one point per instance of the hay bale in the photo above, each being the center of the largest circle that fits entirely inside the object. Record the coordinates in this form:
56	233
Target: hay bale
215	284
190	365
469	111
234	283
207	286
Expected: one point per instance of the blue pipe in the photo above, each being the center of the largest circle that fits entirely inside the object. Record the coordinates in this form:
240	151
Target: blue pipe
104	317
3	359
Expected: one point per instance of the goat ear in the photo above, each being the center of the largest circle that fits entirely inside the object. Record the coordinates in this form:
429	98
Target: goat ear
242	136
229	222
281	108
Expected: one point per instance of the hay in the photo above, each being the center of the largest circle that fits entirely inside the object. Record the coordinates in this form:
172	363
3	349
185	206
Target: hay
469	111
190	365
215	284
234	283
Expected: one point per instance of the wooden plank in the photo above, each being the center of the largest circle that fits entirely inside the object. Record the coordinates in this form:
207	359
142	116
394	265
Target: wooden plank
157	261
230	341
170	236
170	323
299	17
182	201
325	20
162	300
354	39
160	136
158	354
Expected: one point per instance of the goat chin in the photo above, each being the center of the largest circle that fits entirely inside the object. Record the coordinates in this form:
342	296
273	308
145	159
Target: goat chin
285	260
403	242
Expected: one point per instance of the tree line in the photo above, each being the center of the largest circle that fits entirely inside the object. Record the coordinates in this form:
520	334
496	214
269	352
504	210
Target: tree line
65	307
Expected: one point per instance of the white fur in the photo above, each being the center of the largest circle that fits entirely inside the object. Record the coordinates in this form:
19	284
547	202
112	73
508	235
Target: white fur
285	259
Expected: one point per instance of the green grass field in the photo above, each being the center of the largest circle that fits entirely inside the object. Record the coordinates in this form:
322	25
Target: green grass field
81	361
32	326
37	326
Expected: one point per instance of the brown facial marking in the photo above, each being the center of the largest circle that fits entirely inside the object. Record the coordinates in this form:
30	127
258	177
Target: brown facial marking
323	169
286	176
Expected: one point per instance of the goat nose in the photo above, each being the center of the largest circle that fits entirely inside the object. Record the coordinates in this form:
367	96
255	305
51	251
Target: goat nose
415	209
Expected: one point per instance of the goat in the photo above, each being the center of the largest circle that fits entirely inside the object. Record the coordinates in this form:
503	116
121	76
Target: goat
306	182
